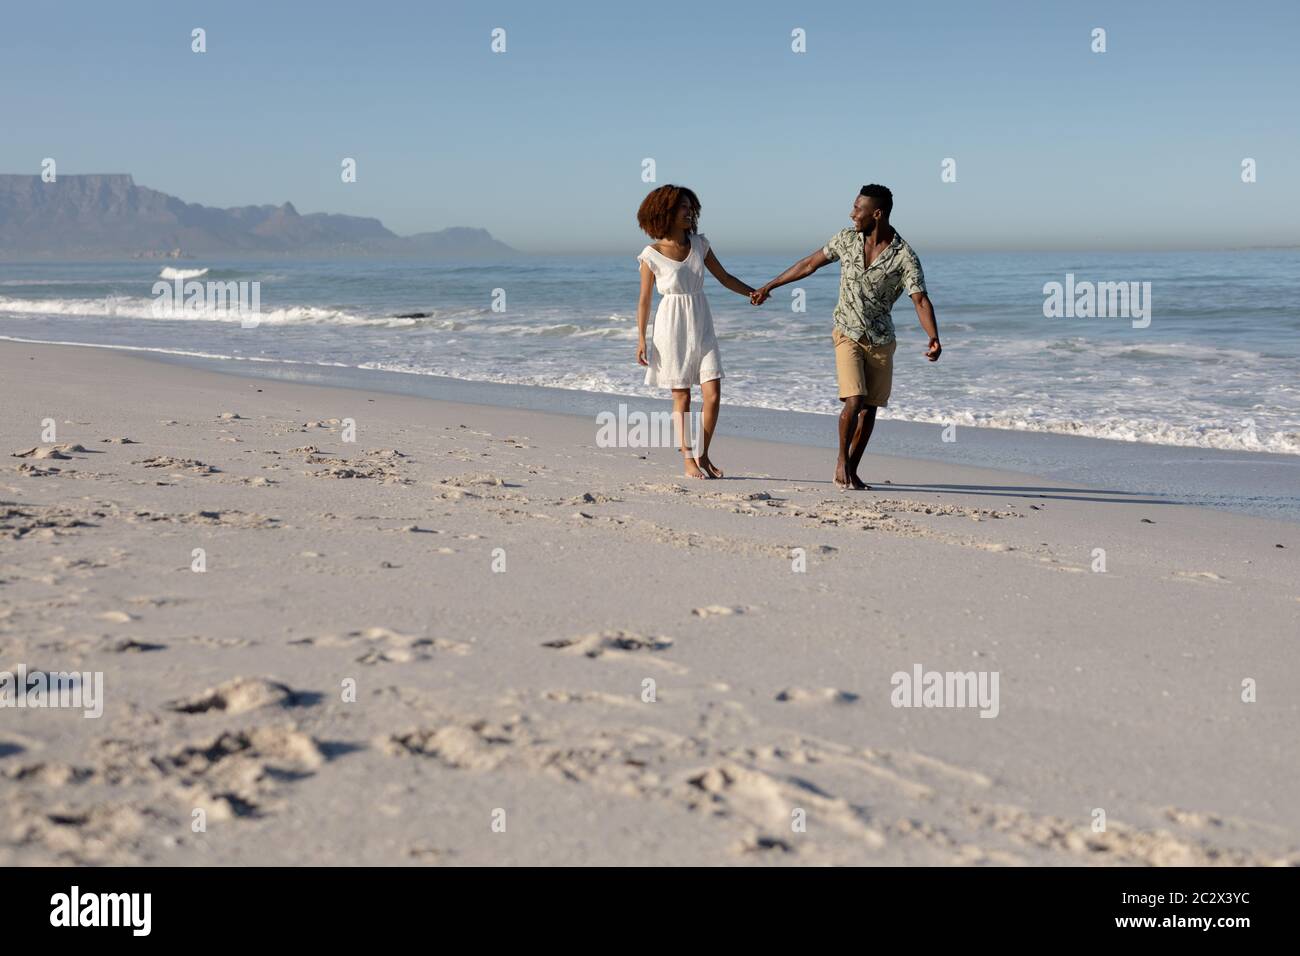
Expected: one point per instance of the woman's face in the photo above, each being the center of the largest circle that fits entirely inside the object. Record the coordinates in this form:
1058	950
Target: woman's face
685	215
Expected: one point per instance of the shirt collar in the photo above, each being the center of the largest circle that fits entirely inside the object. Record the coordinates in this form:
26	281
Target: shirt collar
887	253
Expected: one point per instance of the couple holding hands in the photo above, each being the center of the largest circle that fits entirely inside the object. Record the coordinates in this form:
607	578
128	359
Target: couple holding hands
876	267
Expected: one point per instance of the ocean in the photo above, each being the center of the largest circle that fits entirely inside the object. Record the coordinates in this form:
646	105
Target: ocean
1218	365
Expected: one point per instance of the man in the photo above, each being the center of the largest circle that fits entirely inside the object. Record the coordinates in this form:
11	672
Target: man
876	267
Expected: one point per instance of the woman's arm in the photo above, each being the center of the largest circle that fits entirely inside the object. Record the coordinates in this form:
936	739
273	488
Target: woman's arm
643	311
725	277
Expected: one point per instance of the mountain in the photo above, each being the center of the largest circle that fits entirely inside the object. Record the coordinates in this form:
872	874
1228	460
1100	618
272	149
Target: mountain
447	242
101	216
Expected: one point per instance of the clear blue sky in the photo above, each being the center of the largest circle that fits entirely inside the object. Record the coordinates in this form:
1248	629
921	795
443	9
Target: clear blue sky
1056	146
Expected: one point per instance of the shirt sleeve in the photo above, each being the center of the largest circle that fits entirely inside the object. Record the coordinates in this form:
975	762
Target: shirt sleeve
644	256
703	240
913	277
832	248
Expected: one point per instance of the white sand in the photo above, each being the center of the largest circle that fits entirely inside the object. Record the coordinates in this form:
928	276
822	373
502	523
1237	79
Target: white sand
523	690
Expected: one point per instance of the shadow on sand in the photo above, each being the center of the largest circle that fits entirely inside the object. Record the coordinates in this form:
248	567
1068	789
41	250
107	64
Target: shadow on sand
1034	491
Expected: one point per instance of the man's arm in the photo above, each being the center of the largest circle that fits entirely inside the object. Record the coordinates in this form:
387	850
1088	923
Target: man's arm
925	314
800	270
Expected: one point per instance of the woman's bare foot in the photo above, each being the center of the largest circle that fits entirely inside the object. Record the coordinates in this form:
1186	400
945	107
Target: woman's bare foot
692	469
712	470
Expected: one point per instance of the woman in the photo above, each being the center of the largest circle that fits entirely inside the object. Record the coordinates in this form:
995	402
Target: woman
685	349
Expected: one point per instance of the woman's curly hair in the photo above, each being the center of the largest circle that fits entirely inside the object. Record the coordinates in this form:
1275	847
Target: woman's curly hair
659	210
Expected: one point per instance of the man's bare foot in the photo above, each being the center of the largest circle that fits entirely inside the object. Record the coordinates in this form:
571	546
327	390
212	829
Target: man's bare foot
712	470
843	479
693	470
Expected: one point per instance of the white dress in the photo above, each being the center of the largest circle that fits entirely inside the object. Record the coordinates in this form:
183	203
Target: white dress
683	348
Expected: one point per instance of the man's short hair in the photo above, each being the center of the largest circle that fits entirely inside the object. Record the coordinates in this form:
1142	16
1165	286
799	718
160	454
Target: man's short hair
881	194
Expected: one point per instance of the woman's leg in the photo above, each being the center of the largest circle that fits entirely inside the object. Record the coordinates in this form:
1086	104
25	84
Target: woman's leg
682	425
711	396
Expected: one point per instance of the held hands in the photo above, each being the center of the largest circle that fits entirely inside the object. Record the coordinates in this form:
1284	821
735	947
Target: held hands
760	295
932	353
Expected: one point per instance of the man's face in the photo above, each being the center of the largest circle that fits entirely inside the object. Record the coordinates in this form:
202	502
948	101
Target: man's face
864	214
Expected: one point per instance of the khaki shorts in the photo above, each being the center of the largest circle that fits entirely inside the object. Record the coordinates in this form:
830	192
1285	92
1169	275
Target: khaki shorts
863	368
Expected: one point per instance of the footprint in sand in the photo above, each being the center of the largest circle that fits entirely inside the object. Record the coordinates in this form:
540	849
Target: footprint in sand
1199	576
817	695
1191	818
66	450
721	610
590	697
41	521
129	645
763	799
587	498
378	463
239	774
177	464
386	646
475	479
35	471
597	644
240	695
226	519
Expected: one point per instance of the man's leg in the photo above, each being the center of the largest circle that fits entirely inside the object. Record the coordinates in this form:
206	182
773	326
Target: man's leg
850	370
866	422
877	377
851	421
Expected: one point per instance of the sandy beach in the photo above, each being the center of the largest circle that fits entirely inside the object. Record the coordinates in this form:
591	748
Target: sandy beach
471	636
